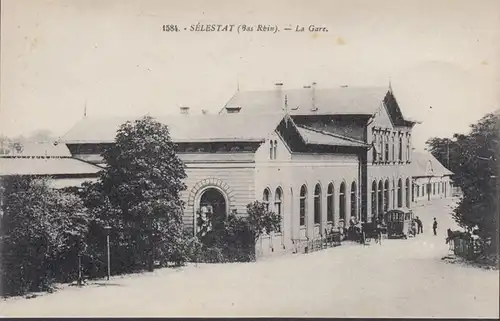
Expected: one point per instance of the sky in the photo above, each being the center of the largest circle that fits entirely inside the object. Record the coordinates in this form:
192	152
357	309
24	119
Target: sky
441	57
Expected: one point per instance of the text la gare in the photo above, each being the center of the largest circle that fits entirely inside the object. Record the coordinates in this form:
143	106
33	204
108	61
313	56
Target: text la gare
311	28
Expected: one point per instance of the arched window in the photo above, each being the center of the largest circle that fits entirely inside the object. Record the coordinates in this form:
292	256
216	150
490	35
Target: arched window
354	200
400	193
408	193
275	148
330	197
303	205
265	198
380	198
271	149
342	201
374	198
386	195
278	201
317	204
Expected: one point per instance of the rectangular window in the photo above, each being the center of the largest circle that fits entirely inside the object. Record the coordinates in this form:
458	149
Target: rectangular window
408	149
393	145
317	210
342	206
386	149
381	148
302	211
374	202
329	207
400	150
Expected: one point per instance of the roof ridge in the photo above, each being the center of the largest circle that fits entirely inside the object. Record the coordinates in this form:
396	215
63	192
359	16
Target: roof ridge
340	87
332	134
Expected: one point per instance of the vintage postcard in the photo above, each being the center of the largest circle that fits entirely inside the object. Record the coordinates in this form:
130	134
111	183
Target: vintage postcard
168	158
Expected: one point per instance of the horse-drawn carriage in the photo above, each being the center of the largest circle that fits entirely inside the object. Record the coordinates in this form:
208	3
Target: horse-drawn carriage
400	223
373	230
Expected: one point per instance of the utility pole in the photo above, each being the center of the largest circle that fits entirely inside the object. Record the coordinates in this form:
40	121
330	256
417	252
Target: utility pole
108	229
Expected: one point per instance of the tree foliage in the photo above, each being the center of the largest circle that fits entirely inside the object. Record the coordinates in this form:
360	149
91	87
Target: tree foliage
42	231
473	159
233	237
261	220
138	195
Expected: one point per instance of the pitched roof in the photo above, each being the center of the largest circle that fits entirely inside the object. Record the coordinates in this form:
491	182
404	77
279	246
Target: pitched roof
183	128
424	164
45	166
333	101
315	137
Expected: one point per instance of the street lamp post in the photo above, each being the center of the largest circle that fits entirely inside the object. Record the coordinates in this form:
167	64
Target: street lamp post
108	229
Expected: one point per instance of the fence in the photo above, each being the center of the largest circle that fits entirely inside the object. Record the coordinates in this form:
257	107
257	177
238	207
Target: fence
307	246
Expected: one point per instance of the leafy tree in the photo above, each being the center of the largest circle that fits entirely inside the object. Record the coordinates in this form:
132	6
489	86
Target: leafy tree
474	163
138	194
42	231
261	220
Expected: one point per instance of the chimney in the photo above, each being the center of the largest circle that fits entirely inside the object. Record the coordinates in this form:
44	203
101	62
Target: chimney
184	110
279	94
204	111
313	97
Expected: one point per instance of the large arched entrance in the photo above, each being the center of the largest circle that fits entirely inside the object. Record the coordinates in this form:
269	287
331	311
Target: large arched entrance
212	206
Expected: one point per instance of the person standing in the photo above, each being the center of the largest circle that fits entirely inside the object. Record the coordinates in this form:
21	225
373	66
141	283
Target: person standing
434	226
420	228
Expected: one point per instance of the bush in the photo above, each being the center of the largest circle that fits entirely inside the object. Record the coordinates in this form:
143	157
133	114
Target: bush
232	238
42	232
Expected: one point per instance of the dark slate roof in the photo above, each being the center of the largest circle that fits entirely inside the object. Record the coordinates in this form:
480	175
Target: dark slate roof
183	128
45	166
424	164
333	101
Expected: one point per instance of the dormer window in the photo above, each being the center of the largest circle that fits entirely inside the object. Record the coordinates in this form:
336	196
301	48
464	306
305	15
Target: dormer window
273	146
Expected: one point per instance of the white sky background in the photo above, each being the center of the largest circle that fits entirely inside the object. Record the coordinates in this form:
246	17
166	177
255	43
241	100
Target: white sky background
55	55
